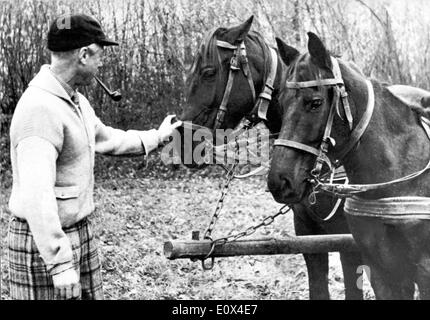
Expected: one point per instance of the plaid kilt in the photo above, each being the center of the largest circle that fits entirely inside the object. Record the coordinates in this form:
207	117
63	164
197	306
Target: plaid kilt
28	277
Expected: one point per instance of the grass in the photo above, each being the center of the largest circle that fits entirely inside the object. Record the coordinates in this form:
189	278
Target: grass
134	217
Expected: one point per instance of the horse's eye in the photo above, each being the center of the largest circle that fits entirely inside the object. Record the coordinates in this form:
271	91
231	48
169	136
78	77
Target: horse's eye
208	73
316	103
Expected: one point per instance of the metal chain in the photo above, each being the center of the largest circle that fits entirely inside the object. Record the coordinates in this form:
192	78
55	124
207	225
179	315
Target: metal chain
220	203
249	231
229	177
207	235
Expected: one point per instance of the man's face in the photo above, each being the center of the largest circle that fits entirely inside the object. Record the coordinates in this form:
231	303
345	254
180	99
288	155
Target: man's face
90	61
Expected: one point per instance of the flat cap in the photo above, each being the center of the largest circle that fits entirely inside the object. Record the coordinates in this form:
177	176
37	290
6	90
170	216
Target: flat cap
69	32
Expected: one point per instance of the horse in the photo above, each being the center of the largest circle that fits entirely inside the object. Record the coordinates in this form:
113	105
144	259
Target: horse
207	106
333	113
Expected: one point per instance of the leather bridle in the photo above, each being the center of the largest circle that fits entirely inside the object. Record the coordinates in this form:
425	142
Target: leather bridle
340	98
238	60
343	190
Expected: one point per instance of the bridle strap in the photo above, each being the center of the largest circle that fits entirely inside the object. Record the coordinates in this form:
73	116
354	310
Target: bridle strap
340	94
349	190
343	94
246	70
361	127
239	58
314	83
326	141
223	107
303	147
265	97
234	66
225	45
321	153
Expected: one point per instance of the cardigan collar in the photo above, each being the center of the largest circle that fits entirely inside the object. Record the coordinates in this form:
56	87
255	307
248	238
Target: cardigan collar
47	81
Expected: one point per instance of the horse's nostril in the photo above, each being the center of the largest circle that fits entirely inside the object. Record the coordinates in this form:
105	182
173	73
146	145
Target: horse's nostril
280	186
285	184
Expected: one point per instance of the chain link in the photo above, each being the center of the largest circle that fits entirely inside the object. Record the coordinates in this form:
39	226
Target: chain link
229	177
247	232
220	203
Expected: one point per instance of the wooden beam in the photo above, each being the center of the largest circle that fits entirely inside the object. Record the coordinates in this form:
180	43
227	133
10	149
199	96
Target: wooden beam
196	249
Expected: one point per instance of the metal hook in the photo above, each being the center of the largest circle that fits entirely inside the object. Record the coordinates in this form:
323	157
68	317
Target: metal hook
211	265
234	63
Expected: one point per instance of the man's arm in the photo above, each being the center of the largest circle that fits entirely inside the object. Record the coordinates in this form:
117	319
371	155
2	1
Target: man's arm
36	158
120	142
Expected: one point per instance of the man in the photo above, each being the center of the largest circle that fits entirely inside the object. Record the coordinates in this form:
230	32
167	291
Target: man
54	136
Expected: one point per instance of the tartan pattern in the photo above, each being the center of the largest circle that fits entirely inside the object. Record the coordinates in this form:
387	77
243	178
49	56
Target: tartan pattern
28	277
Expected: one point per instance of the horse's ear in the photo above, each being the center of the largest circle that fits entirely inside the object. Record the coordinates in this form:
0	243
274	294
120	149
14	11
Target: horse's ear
237	34
288	53
318	51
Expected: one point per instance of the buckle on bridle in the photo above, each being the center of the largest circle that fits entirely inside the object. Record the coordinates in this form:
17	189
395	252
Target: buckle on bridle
234	63
330	141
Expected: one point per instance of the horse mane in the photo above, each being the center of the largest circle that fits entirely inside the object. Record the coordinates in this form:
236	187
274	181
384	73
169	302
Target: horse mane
421	108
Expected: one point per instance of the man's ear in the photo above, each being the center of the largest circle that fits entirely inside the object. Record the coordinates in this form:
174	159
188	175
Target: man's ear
238	34
83	54
287	53
318	52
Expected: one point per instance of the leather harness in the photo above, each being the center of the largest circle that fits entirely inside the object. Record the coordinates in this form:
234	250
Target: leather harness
239	58
342	190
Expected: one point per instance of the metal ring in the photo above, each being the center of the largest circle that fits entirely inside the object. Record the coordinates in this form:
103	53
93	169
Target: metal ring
210	267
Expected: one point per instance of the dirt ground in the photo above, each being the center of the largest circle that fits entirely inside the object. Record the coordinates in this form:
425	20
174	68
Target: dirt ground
134	217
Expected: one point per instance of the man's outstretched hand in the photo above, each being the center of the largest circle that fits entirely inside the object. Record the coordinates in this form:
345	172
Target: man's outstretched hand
167	127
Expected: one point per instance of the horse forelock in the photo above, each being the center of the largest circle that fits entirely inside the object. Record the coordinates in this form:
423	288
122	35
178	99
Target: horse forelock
209	51
207	55
304	69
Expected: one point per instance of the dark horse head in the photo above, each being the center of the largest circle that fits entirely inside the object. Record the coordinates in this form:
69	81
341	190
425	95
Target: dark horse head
207	83
306	112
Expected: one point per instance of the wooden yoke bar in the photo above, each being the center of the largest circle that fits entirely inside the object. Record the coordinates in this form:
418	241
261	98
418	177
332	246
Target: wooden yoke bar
196	249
